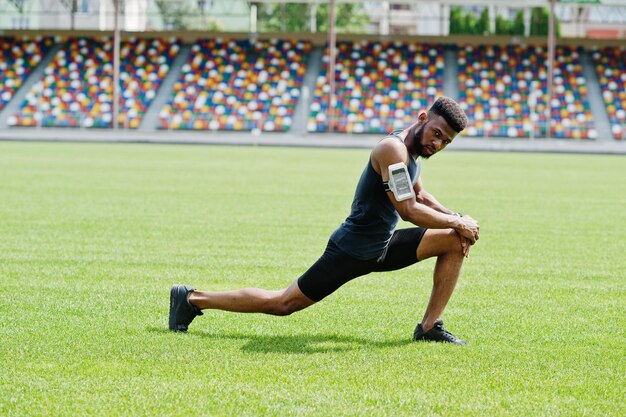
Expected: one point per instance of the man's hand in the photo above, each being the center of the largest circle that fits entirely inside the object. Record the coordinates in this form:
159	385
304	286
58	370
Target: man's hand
468	229
465	246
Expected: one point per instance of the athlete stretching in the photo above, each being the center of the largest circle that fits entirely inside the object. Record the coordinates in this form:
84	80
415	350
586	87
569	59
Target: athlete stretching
368	240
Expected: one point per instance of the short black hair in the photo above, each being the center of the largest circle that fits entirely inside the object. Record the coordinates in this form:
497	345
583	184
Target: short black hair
451	111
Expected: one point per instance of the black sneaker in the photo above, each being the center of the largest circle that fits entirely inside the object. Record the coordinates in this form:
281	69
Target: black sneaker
182	312
436	334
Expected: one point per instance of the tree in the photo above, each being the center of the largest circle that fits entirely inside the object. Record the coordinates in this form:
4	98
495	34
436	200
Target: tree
295	17
503	26
540	22
173	14
470	24
350	18
457	21
511	28
482	25
187	15
289	17
518	28
462	23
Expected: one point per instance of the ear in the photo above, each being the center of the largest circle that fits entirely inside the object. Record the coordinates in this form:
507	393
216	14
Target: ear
422	116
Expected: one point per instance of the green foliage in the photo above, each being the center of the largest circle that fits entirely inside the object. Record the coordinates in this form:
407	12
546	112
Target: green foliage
540	22
183	16
511	28
350	18
518	24
174	15
503	26
291	17
470	24
457	21
462	23
482	25
94	235
286	17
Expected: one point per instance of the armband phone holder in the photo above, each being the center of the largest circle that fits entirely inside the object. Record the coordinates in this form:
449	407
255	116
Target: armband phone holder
400	182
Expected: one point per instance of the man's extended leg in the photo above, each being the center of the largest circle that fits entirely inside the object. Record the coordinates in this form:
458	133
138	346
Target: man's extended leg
330	271
186	303
446	246
253	300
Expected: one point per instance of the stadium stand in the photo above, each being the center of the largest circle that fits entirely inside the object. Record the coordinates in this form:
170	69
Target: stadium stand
77	86
254	85
18	57
232	84
610	64
499	89
381	86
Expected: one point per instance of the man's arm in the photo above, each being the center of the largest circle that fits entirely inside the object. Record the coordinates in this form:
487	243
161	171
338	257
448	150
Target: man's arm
424	197
389	152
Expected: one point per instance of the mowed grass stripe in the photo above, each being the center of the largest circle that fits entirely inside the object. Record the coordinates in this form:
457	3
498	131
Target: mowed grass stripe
93	236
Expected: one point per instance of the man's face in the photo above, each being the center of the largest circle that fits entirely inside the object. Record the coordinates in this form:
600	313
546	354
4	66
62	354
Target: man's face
432	135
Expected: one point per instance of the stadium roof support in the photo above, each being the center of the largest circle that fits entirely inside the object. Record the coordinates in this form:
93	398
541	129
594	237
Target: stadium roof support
332	51
116	64
551	53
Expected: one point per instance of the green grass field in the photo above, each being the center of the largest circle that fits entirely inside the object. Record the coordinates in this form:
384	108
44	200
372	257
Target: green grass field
92	236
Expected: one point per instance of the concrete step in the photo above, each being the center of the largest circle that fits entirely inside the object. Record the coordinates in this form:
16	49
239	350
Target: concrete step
151	118
596	102
301	113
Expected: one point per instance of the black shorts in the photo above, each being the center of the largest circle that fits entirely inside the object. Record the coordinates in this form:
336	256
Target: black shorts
335	267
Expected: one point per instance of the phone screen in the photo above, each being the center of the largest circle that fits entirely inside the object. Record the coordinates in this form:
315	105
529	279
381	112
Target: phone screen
401	181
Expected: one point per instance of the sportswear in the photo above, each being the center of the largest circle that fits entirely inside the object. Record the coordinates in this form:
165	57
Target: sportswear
182	312
335	267
437	334
368	229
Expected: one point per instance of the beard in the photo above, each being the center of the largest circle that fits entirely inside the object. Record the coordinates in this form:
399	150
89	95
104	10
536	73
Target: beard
417	143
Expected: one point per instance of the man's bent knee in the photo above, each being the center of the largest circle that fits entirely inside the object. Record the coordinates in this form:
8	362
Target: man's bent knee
290	301
437	242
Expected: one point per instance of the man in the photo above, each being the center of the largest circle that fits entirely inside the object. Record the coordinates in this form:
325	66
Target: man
368	241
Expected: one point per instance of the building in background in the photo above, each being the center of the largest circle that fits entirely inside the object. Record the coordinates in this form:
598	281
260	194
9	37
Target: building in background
135	15
578	18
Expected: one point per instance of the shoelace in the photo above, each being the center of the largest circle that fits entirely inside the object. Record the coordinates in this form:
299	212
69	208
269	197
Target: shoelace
446	333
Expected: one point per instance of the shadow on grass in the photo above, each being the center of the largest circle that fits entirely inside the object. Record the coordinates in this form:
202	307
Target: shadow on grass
303	343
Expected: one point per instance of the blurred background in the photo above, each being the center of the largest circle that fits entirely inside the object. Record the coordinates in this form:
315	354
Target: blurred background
521	69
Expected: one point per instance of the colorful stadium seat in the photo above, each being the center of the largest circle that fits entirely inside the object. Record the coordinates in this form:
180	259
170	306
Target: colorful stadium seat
610	64
255	85
18	57
238	85
77	89
503	90
380	86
